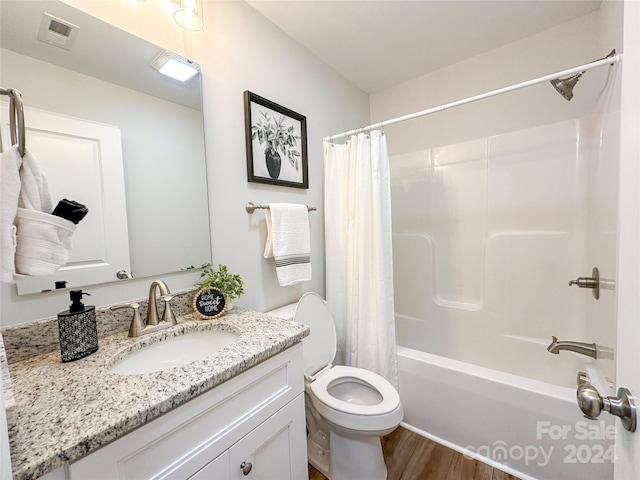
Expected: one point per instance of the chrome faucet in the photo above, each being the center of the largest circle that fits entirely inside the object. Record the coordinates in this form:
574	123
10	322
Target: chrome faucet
588	349
139	327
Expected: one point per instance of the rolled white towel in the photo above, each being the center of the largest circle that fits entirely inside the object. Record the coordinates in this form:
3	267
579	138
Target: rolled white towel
44	242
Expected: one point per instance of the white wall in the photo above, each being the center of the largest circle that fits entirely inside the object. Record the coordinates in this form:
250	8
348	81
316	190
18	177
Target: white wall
495	208
246	52
238	50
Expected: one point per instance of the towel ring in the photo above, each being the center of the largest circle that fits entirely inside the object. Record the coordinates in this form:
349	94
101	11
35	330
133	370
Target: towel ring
16	118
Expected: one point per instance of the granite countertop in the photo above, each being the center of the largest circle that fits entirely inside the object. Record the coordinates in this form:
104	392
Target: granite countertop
63	411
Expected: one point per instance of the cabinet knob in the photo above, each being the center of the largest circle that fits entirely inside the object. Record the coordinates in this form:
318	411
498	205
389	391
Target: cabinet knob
246	467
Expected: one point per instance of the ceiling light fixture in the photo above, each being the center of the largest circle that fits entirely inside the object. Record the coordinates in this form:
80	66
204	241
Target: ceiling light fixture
175	66
189	15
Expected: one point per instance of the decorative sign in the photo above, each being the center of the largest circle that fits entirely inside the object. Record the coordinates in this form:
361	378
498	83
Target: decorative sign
209	304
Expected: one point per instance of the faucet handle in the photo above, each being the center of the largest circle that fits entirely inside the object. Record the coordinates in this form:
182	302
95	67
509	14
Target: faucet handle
592	282
167	315
137	325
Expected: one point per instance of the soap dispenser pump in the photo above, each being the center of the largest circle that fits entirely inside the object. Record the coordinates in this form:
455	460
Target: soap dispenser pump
78	329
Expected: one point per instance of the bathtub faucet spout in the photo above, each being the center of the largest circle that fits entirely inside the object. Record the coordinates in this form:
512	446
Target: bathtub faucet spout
588	349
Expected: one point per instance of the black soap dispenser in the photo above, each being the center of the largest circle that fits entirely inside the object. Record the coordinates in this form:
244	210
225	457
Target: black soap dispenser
78	330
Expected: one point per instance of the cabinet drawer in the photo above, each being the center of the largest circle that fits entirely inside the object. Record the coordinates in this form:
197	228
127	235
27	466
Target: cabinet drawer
179	443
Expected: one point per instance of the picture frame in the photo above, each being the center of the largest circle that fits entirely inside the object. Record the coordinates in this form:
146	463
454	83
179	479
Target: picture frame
276	141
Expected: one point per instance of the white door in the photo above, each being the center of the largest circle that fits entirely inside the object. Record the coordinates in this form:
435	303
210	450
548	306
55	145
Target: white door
627	445
83	162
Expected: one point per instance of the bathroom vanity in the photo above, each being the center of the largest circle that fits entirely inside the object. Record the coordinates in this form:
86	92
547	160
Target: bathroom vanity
253	422
237	411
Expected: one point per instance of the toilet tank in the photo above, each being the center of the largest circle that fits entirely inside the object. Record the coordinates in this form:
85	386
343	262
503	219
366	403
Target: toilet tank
287	311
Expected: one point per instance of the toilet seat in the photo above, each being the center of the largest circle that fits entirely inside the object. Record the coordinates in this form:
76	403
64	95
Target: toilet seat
322	384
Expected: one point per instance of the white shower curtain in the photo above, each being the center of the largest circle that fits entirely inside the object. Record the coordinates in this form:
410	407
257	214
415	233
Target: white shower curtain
359	265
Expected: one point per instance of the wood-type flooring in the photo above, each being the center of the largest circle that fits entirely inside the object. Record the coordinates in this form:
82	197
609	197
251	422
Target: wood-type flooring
410	456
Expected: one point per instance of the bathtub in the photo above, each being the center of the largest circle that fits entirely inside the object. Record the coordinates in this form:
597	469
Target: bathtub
531	429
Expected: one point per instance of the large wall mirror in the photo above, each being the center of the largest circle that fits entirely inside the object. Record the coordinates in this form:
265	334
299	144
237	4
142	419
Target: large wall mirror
116	135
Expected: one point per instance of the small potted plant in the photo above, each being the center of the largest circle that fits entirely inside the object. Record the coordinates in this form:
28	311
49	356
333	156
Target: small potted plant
276	137
231	286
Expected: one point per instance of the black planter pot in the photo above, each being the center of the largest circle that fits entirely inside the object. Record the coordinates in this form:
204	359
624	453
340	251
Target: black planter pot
274	162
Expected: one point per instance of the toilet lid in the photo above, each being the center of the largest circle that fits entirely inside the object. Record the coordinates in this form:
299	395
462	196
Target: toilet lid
319	348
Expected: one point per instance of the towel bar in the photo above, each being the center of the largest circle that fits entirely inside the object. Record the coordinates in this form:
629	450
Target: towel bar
251	207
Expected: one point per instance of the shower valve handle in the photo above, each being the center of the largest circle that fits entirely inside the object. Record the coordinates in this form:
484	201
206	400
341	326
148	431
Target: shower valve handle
583	282
592	404
589	282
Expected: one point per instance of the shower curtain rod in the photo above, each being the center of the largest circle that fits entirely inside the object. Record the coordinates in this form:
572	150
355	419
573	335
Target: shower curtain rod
582	68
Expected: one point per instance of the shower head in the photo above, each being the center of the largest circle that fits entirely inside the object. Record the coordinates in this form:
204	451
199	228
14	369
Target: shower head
564	86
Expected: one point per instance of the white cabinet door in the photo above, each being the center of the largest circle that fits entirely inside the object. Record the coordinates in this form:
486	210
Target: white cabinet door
218	469
276	450
83	162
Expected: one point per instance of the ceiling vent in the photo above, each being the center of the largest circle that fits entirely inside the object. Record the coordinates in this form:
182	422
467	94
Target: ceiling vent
57	32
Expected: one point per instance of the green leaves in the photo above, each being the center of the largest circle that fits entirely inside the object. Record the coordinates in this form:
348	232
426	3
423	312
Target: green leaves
230	285
276	136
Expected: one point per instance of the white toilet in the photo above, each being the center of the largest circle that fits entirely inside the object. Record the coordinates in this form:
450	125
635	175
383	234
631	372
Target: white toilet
348	408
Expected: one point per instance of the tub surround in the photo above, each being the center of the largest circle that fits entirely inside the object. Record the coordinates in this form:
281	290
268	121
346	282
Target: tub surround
63	411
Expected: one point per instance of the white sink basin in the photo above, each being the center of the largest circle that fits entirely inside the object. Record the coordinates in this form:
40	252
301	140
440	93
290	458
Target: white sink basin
174	352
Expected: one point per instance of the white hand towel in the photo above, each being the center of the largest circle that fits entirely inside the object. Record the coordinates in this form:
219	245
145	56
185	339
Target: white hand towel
10	162
34	190
289	242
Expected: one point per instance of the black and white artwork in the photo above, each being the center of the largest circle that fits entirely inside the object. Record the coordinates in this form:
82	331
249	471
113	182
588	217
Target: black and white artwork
276	140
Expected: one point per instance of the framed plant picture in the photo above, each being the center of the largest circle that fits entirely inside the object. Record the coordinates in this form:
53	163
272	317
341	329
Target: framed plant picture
276	143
